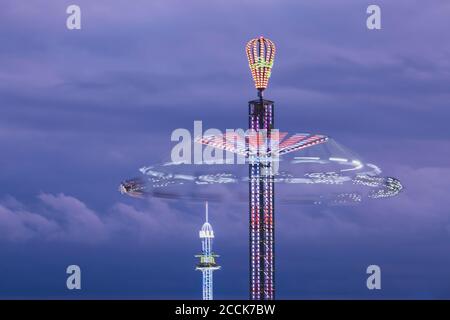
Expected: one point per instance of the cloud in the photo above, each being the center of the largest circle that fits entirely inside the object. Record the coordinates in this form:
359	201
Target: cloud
110	72
76	222
64	218
419	213
19	224
155	222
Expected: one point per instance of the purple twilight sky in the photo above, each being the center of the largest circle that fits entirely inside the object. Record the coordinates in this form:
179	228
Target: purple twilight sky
80	110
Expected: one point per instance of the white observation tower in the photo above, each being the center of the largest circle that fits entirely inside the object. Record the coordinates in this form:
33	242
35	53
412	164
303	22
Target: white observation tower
207	262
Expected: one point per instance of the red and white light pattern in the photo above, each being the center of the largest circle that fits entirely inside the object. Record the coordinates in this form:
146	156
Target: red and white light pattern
255	142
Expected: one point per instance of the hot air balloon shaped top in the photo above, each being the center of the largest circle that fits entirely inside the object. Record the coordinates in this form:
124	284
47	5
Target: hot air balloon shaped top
260	54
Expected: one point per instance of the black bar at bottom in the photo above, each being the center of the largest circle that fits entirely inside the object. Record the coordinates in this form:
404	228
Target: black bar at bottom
230	309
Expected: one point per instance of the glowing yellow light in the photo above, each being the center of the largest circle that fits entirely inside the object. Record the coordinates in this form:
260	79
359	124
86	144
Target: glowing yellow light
260	54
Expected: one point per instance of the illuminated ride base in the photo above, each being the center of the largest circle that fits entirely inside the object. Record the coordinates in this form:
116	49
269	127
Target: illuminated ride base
261	203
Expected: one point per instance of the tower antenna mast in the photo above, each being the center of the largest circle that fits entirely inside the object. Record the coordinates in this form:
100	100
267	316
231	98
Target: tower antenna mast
207	264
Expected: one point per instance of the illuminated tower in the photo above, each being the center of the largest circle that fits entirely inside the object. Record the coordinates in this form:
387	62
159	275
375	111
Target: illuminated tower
260	53
207	262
